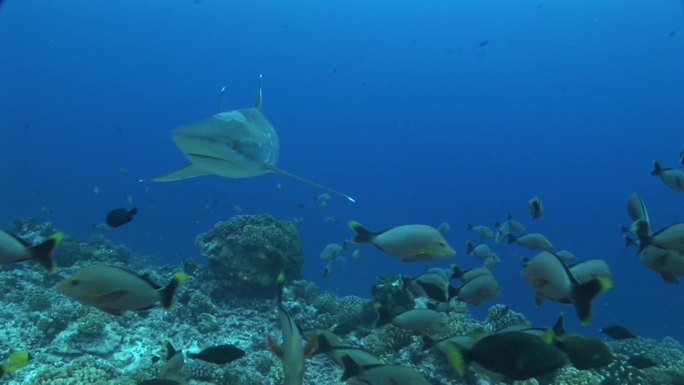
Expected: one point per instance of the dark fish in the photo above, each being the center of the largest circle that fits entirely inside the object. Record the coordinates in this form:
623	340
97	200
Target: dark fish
327	270
484	43
221	354
535	207
584	352
517	356
641	362
119	217
673	32
435	286
618	332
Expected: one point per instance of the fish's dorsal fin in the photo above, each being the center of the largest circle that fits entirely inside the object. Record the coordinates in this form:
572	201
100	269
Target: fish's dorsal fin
259	97
23	242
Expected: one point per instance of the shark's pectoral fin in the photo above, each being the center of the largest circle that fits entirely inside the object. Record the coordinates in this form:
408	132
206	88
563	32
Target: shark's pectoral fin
185	172
280	171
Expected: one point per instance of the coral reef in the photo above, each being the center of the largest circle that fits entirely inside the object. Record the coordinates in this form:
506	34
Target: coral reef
501	316
247	252
389	291
70	251
72	344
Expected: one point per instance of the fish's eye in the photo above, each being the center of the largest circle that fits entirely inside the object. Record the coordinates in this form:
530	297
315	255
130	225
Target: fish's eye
75	282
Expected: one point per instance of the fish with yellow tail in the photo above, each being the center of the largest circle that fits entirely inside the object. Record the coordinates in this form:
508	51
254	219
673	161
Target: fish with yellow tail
114	289
16	361
508	356
292	352
14	249
551	278
411	243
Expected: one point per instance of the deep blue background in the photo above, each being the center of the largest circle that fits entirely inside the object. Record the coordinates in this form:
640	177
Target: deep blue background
394	102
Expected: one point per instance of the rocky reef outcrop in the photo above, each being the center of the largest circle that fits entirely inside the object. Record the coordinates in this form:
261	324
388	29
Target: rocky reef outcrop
247	252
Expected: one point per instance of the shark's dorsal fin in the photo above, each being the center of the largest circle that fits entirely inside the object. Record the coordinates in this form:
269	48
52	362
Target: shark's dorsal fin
258	100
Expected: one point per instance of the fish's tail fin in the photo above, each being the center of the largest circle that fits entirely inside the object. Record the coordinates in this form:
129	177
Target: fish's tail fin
511	239
629	241
428	342
457	359
363	235
170	350
16	361
351	368
456	272
405	282
470	248
470	226
324	345
169	291
43	251
642	230
584	293
452	292
657	168
559	327
311	347
384	316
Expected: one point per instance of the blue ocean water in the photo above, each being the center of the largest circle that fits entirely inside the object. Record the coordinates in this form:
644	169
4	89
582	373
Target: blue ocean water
425	112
